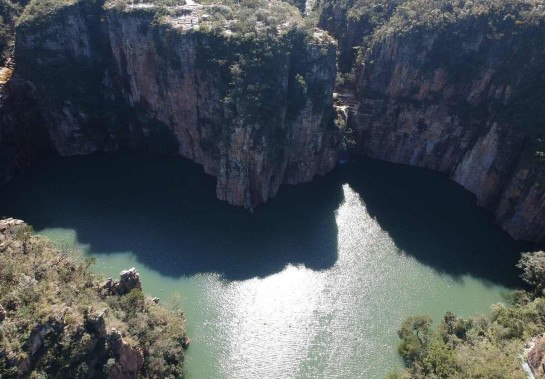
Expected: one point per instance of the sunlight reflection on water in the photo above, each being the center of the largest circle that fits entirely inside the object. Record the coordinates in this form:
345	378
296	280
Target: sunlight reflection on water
337	322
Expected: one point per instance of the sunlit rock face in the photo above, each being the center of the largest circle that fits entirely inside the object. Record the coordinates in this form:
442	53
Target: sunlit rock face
461	99
254	111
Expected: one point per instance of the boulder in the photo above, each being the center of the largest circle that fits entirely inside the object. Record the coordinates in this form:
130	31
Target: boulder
129	280
96	325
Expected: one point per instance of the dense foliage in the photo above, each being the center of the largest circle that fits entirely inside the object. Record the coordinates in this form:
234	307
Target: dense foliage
252	16
481	346
39	10
411	14
8	14
57	321
229	16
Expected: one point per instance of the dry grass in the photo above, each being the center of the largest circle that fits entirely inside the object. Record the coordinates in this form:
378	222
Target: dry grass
5	74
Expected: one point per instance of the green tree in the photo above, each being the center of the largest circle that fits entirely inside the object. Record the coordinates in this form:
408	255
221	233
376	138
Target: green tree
533	270
415	334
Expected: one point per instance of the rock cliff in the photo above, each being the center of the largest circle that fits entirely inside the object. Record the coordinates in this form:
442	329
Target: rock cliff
461	91
254	109
245	90
535	356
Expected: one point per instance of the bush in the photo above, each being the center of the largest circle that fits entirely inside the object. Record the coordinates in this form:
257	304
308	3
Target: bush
533	270
479	347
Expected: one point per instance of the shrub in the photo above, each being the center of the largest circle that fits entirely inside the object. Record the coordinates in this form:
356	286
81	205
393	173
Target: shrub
479	347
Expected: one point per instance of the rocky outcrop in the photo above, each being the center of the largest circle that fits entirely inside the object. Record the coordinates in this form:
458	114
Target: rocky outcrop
128	280
254	110
462	98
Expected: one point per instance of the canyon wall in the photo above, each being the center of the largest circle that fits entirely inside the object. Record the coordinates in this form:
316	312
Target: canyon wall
456	87
255	110
465	97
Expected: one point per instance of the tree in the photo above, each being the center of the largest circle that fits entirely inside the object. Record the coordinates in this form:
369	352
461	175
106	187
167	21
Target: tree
533	270
424	350
415	334
453	329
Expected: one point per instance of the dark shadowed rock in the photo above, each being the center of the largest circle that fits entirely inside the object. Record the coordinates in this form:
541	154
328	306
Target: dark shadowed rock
129	360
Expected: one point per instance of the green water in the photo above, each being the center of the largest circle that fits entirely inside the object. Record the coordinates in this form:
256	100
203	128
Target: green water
311	285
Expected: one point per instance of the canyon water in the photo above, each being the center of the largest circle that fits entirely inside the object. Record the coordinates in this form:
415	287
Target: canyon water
313	284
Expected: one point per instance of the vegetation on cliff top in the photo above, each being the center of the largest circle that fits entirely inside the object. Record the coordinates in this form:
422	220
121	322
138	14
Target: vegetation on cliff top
8	14
412	14
252	16
481	346
231	16
57	319
400	16
368	21
39	10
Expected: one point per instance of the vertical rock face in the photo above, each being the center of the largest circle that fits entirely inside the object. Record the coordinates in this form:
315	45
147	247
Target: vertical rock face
63	63
462	99
535	356
255	111
10	147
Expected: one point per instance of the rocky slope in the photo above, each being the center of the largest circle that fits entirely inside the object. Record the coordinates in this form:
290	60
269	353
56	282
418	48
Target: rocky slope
59	320
460	90
254	109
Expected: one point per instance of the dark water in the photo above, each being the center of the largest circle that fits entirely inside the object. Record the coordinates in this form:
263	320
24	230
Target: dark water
312	284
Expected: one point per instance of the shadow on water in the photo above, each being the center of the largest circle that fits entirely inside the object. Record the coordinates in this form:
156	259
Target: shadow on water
436	221
164	211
